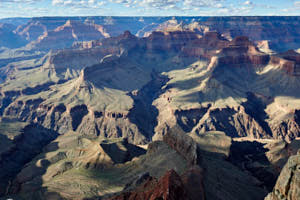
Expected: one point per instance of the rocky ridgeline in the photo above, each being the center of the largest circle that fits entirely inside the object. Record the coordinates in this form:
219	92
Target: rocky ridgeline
170	186
238	121
64	36
281	32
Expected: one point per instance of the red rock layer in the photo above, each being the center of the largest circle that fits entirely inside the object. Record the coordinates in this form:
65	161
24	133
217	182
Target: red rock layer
206	46
241	51
288	61
164	41
169	187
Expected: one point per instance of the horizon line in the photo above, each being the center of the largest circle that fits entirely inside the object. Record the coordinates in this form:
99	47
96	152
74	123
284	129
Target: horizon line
146	16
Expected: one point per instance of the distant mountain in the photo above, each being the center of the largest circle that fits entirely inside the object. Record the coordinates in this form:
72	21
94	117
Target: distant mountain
64	36
274	30
16	21
8	38
281	32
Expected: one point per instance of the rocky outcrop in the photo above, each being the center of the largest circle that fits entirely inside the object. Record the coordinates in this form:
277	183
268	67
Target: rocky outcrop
32	30
289	128
36	27
65	35
288	183
77	113
288	61
240	52
280	31
169	187
183	144
206	46
77	118
101	78
121	152
166	41
233	122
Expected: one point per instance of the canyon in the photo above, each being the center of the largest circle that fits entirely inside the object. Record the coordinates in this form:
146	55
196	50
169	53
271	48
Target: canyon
150	108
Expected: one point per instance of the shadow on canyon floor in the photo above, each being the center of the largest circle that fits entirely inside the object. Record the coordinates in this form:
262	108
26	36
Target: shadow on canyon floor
26	147
250	156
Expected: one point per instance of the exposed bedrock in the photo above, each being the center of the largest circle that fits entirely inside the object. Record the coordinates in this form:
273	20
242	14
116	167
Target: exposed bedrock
235	122
288	183
149	104
248	120
184	145
169	187
289	129
80	118
143	113
289	61
77	113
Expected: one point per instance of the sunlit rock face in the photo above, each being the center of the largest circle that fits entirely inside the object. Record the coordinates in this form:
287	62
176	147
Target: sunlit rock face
150	108
208	84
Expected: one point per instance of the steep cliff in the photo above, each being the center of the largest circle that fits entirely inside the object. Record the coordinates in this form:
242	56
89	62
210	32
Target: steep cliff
65	35
208	84
287	185
231	93
8	38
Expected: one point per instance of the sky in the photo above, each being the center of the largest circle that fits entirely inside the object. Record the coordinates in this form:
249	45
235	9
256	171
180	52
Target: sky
35	8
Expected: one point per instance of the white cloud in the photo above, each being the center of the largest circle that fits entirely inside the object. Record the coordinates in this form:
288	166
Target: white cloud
297	3
171	4
201	3
248	3
79	3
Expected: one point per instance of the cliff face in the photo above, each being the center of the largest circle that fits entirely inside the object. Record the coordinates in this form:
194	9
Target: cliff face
281	32
32	30
65	35
288	183
199	92
209	84
278	30
240	52
170	187
8	38
232	94
289	61
36	27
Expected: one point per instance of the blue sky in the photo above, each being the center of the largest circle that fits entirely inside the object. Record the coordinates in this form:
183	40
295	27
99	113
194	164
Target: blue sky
30	8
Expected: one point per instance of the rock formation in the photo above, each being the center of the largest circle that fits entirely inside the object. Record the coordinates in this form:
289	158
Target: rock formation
288	183
8	38
217	107
226	80
170	187
183	144
65	35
